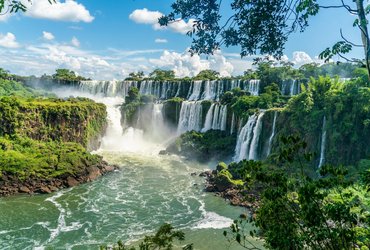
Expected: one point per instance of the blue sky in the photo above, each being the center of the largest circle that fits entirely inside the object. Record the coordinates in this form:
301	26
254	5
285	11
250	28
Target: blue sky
108	39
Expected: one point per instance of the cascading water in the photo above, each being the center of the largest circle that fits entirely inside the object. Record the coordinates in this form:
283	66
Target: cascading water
190	117
195	91
223	118
216	118
323	143
272	134
253	151
254	87
232	128
209	118
248	139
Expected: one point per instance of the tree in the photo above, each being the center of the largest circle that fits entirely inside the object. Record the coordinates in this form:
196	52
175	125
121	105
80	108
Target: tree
299	212
207	75
263	27
67	75
163	239
13	6
162	75
135	76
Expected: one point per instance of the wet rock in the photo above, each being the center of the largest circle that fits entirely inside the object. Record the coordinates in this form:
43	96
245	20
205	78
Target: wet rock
109	168
24	189
163	152
193	174
93	173
72	182
44	190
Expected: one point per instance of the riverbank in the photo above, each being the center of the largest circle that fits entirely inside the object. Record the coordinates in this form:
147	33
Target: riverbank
10	184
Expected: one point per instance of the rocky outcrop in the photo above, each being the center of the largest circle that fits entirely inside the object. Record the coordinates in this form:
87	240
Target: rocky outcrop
234	194
11	185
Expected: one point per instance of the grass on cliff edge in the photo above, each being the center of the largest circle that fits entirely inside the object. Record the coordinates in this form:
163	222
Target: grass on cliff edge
24	158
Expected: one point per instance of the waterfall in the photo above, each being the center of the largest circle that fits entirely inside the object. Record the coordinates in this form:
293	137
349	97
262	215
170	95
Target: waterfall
253	152
223	118
209	119
216	114
254	87
292	87
272	134
190	117
195	94
209	90
216	118
232	124
248	139
244	137
323	143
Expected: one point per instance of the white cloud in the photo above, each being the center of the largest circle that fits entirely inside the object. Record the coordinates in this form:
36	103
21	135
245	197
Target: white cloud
160	40
69	10
8	41
300	58
47	36
186	65
145	16
75	42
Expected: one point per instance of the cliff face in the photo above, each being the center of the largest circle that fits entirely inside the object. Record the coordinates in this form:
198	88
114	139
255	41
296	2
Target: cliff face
74	120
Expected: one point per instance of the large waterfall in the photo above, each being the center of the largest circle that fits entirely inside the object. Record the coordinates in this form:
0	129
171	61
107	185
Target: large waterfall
190	117
248	139
216	118
162	90
272	134
323	143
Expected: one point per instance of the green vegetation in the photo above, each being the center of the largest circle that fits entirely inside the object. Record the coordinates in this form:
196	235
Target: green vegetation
67	76
73	120
163	239
162	75
203	146
270	22
26	158
43	137
207	75
300	212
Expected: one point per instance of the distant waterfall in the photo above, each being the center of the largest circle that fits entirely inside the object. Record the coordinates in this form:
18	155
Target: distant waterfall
190	117
216	118
194	91
209	90
254	87
232	128
290	87
272	134
223	116
323	143
248	139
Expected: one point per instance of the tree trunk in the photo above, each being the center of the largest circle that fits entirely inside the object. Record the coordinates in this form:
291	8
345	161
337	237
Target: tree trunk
364	32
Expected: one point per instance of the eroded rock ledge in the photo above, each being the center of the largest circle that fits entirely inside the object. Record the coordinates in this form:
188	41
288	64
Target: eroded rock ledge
11	185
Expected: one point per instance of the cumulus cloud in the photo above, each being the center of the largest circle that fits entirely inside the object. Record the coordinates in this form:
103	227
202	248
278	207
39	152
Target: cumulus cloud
186	65
8	41
160	40
145	16
75	42
69	10
47	36
300	58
